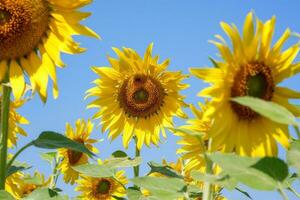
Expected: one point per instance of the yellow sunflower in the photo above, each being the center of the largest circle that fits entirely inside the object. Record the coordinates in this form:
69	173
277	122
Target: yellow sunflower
102	188
191	150
252	68
20	185
137	96
32	34
80	133
15	120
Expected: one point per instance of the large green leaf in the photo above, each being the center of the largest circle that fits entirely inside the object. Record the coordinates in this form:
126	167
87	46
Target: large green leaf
94	170
267	109
45	194
161	187
52	140
293	155
5	195
260	174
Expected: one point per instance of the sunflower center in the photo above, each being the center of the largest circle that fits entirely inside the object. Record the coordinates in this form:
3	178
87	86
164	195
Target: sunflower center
253	79
23	23
141	96
74	156
103	187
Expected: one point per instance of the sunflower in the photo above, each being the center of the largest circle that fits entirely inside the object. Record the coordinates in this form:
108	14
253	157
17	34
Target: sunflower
102	188
191	150
253	68
137	97
15	120
73	158
32	34
21	185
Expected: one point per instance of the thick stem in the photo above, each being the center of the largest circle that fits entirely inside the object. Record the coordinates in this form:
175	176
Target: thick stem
5	104
9	164
282	193
136	169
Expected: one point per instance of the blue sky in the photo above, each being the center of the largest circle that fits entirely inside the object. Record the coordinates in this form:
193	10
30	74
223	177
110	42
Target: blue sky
180	31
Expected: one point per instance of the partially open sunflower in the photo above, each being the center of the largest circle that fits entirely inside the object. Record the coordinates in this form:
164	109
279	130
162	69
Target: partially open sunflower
137	97
252	68
32	34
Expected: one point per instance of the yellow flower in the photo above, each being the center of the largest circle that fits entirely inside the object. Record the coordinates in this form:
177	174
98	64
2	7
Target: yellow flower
191	149
252	68
137	97
71	158
20	185
15	120
32	34
102	188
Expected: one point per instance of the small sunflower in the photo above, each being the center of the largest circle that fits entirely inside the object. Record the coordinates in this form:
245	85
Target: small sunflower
191	150
21	185
32	34
137	97
102	188
15	120
253	68
71	158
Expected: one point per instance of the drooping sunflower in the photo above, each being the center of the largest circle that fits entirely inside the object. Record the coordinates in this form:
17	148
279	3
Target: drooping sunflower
32	34
137	96
71	158
15	120
252	68
102	188
20	185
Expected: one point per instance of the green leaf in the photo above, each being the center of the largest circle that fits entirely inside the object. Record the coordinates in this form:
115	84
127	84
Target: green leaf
18	166
45	194
293	155
119	154
268	109
214	62
94	170
122	162
161	187
49	156
52	140
135	194
274	167
165	170
252	171
5	195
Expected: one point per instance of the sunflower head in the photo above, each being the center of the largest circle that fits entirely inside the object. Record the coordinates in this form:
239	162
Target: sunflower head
102	188
32	35
137	96
252	68
81	134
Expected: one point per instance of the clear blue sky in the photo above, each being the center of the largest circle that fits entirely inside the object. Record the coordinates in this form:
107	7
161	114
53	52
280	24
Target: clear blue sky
180	31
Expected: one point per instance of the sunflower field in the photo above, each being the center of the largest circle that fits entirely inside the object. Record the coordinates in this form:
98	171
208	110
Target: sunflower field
91	109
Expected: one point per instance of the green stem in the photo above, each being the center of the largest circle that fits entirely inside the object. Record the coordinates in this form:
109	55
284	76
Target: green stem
55	173
207	190
282	193
136	169
9	164
294	192
297	131
5	104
